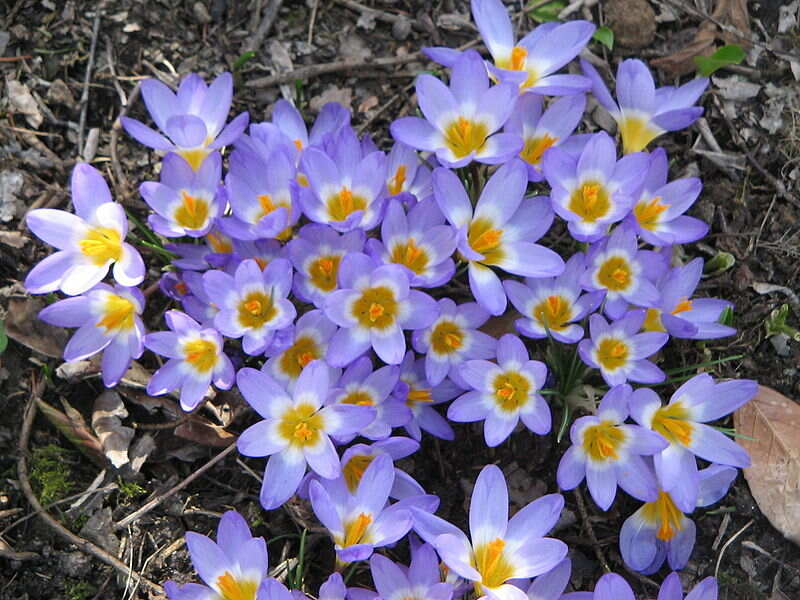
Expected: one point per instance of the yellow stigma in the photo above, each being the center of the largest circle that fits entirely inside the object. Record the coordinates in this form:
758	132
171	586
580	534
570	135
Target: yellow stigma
101	244
236	589
511	390
298	355
220	243
192	213
672	422
342	204
118	314
554	312
648	213
359	398
256	309
354	469
301	425
194	156
376	308
464	136
298	144
615	274
323	272
396	183
418	396
490	561
602	441
355	530
201	354
590	201
612	353
652	322
268	206
410	255
447	337
636	133
518	61
483	237
682	306
534	148
665	515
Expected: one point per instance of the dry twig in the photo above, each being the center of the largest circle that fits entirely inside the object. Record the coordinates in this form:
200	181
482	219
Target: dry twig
119	175
84	103
267	19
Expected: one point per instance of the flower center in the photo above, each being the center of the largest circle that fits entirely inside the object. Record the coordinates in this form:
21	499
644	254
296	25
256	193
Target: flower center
487	240
298	355
342	204
354	469
447	337
194	156
221	244
491	563
418	396
554	312
464	136
535	148
101	244
612	353
665	514
652	321
601	442
648	213
298	143
636	133
396	183
672	422
410	255
355	530
511	390
233	589
192	213
359	398
323	272
117	315
682	306
201	354
256	309
301	425
615	274
590	201
376	308
268	206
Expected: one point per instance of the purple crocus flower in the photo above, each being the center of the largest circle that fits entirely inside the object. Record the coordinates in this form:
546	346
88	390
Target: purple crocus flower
358	457
671	589
361	521
620	352
682	422
499	232
616	265
542	131
613	587
680	315
233	567
308	341
346	191
460	119
296	429
108	320
500	550
607	452
551	585
88	242
253	303
217	251
657	215
185	200
193	119
408	179
593	190
362	386
419	241
196	302
195	360
453	338
644	112
316	253
420	581
531	62
552	306
373	308
660	530
420	396
503	393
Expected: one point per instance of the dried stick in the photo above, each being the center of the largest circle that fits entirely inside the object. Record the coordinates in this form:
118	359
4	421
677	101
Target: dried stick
378	15
25	483
122	181
161	497
590	530
267	19
84	103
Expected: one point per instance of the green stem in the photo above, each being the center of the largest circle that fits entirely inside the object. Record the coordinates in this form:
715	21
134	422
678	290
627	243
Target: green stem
298	573
703	365
146	232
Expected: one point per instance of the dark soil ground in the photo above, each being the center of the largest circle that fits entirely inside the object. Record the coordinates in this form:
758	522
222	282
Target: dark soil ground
46	46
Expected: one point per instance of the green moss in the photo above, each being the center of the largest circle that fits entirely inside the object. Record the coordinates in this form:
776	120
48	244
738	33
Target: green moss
51	474
130	490
79	590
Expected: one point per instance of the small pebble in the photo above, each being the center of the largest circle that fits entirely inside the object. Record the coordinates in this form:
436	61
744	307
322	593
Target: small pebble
632	21
401	29
201	14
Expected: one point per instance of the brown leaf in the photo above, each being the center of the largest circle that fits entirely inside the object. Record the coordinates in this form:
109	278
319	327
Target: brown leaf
107	415
24	327
497	327
202	431
72	424
773	420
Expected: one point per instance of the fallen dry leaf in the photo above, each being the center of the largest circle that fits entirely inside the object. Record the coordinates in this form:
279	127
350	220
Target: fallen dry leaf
773	420
203	431
497	327
107	415
22	101
72	424
23	326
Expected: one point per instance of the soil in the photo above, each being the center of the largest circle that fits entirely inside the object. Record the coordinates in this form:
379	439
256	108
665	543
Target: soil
48	48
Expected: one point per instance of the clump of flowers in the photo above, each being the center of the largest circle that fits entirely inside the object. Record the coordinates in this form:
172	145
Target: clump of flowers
347	291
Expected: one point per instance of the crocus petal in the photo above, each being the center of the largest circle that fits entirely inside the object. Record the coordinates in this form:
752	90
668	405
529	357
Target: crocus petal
281	477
